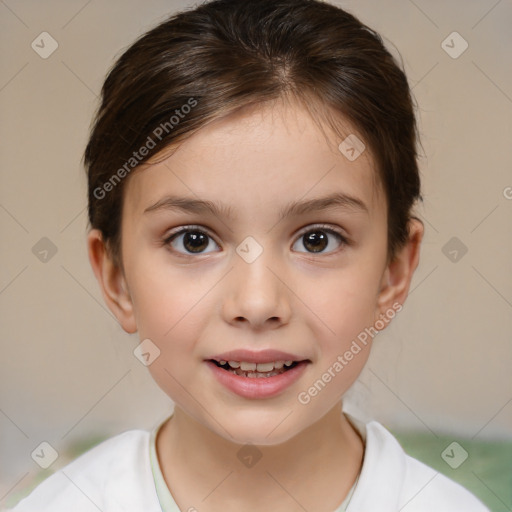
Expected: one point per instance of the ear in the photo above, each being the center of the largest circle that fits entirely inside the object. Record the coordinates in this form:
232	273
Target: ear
397	276
112	281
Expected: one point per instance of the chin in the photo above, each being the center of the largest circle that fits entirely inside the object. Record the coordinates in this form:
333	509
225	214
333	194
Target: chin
260	429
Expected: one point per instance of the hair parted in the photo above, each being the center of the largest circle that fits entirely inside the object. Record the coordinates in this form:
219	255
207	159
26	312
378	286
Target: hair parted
206	63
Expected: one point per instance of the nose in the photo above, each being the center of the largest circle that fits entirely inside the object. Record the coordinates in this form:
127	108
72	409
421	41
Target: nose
257	295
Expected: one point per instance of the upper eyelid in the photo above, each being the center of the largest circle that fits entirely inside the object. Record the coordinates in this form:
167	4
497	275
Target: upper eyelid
197	227
327	227
191	227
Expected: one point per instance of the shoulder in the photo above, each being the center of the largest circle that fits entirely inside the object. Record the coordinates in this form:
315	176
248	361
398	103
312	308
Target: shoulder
391	480
115	475
424	488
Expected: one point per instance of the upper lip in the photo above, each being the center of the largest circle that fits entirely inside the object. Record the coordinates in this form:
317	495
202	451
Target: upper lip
263	356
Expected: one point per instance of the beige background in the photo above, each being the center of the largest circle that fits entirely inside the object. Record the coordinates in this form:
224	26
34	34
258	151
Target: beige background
67	369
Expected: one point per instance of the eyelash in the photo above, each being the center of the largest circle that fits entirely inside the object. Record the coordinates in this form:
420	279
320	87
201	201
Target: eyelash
198	229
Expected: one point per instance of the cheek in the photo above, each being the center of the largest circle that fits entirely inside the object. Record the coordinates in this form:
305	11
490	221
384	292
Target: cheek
342	304
345	307
166	300
171	312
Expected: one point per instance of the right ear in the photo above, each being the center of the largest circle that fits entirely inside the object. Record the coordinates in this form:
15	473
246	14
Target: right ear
112	281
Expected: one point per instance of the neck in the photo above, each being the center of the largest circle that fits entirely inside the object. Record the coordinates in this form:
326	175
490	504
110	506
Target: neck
317	467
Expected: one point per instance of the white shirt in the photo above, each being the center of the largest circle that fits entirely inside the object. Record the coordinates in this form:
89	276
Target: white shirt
116	476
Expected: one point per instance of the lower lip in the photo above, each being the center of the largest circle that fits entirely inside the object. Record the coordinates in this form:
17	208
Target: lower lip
257	387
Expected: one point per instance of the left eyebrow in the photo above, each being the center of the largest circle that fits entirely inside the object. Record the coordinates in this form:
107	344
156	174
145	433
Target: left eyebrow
336	200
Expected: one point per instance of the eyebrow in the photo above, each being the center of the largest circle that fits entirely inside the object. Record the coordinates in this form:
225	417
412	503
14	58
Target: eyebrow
336	200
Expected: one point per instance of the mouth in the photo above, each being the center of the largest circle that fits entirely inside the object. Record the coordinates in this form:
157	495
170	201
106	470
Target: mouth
256	370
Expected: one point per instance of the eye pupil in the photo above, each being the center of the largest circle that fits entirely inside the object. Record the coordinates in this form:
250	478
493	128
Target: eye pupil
317	239
195	241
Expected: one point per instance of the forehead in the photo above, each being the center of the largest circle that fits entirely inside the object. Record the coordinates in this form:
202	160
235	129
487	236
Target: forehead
258	160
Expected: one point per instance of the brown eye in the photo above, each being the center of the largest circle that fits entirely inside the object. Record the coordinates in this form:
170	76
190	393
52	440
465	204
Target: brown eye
190	241
318	239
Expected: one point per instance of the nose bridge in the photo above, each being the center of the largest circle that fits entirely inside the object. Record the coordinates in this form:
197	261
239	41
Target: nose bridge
256	291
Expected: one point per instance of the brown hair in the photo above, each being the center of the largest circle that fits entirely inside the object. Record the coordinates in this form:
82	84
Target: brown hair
203	64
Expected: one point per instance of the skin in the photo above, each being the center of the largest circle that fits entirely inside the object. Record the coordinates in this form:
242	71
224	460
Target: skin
290	298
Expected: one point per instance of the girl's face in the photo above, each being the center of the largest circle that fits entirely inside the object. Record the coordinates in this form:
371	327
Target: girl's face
256	235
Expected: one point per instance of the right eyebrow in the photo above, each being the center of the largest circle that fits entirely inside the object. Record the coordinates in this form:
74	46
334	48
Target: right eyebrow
191	205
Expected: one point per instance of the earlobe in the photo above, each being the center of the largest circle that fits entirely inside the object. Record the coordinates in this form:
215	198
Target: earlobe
398	274
112	281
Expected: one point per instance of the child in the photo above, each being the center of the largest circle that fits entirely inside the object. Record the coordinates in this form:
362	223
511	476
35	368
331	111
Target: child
252	172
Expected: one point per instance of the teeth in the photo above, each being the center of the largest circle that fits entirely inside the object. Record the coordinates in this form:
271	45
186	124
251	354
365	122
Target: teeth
247	367
257	375
265	367
257	367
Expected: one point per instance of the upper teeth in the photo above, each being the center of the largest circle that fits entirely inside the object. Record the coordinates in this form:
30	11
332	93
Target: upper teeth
259	367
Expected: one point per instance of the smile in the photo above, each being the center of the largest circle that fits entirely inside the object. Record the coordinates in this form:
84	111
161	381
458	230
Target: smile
257	380
256	370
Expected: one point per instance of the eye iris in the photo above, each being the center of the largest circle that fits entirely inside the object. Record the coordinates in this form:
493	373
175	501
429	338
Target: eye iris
195	241
317	239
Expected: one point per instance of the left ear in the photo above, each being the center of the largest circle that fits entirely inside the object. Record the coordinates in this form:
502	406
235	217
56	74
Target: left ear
397	277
